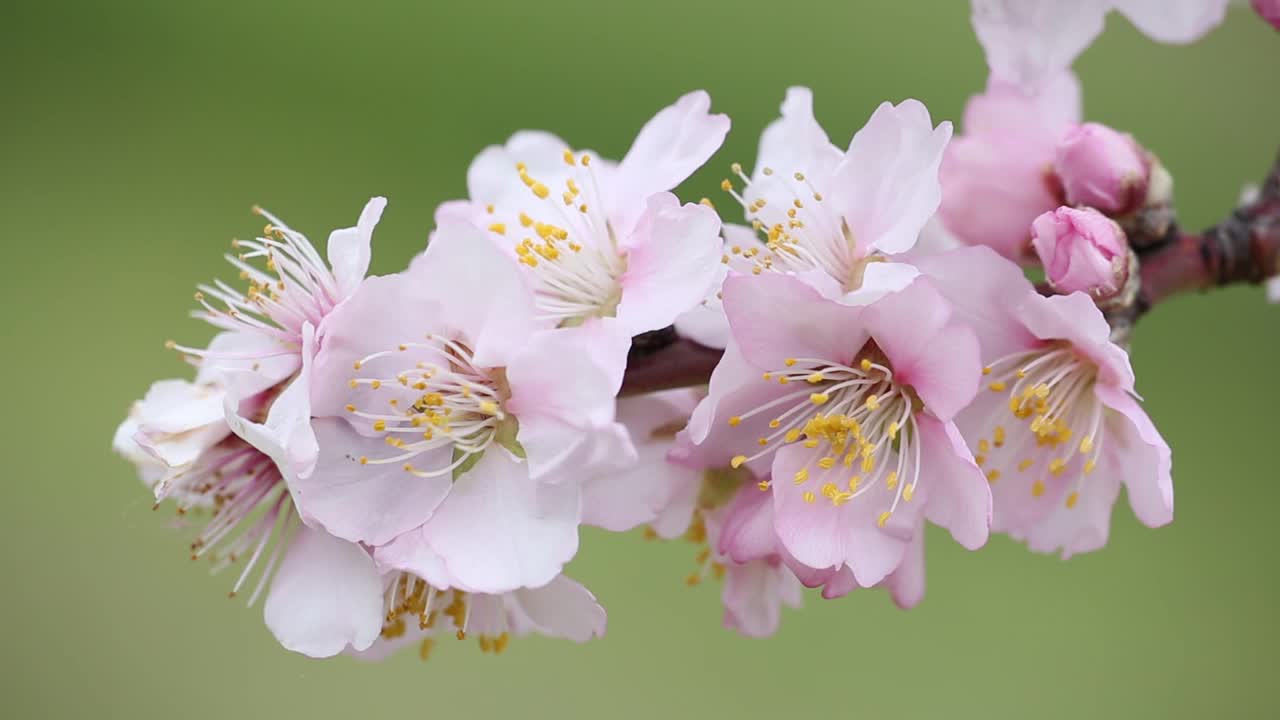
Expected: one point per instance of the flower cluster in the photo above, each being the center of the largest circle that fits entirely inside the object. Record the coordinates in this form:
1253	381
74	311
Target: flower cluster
397	459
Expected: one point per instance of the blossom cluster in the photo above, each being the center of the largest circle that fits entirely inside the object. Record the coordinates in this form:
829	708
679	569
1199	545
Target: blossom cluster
392	460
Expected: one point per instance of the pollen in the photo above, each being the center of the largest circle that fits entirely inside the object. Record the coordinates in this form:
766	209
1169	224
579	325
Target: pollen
802	475
1072	499
1037	488
734	421
883	519
821	398
809	497
737	461
993	475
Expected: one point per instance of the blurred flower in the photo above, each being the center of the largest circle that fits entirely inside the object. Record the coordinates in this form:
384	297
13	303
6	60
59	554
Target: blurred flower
1058	429
1102	168
1082	251
598	239
442	415
1269	10
998	176
848	409
414	612
1028	42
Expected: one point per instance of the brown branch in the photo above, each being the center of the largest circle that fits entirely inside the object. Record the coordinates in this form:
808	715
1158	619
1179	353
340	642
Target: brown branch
1243	248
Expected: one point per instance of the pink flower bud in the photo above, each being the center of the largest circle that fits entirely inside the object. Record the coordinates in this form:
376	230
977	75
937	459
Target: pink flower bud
1269	10
1082	250
1102	168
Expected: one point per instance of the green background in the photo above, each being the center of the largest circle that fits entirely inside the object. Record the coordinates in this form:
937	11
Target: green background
134	136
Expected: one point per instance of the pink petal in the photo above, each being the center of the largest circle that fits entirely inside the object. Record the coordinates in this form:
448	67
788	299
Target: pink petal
563	608
906	584
796	142
1174	21
888	180
937	357
957	495
673	262
1145	461
499	530
1028	41
247	363
1076	319
370	503
747	531
774	317
754	594
983	289
349	250
673	144
326	596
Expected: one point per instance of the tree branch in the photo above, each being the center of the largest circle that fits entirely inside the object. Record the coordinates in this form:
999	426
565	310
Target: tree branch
1243	248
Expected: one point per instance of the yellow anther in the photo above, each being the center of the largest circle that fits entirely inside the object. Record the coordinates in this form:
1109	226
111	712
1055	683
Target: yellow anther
893	430
819	398
998	435
734	421
891	480
792	435
499	228
763	485
585	159
789	362
815	378
811	443
883	519
809	497
909	492
737	461
357	365
993	475
827	463
998	386
801	475
980	459
351	408
984	446
568	157
726	186
763	441
1089	466
853	483
1072	499
525	220
380	426
364	460
872	402
865	365
774	423
1086	445
1037	488
376	384
986	370
1057	466
489	407
736	168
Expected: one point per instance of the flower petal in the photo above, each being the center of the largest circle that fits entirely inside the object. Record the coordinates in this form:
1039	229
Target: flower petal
1027	41
349	251
957	495
1145	461
326	596
1174	21
563	608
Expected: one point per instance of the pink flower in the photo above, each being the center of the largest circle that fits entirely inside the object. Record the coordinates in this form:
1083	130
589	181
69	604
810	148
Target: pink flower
1082	251
849	409
414	612
1269	10
597	239
833	216
447	423
262	343
1027	42
1058	429
322	593
1102	168
997	176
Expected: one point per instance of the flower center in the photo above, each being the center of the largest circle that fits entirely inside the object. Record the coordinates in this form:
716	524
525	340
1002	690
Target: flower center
1051	400
428	395
799	231
408	598
856	425
570	248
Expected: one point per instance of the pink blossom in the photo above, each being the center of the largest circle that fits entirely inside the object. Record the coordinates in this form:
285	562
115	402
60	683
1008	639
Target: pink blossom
322	593
414	612
833	216
1102	168
597	239
1027	42
1269	10
849	409
997	176
1058	429
445	421
1082	251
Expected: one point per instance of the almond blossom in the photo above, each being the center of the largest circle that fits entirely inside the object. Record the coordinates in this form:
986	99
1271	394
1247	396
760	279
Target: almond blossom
597	239
848	409
1058	428
1028	42
442	416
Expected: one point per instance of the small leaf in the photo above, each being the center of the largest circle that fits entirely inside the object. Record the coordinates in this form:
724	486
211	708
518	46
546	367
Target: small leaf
470	462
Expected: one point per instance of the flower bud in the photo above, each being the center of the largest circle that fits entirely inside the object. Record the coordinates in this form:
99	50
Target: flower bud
1082	250
1269	10
1102	168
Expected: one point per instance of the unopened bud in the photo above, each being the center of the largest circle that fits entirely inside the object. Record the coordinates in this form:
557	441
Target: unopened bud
1269	10
1102	168
1082	251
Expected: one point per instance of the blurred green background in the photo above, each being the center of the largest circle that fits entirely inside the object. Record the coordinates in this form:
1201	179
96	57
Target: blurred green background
134	136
